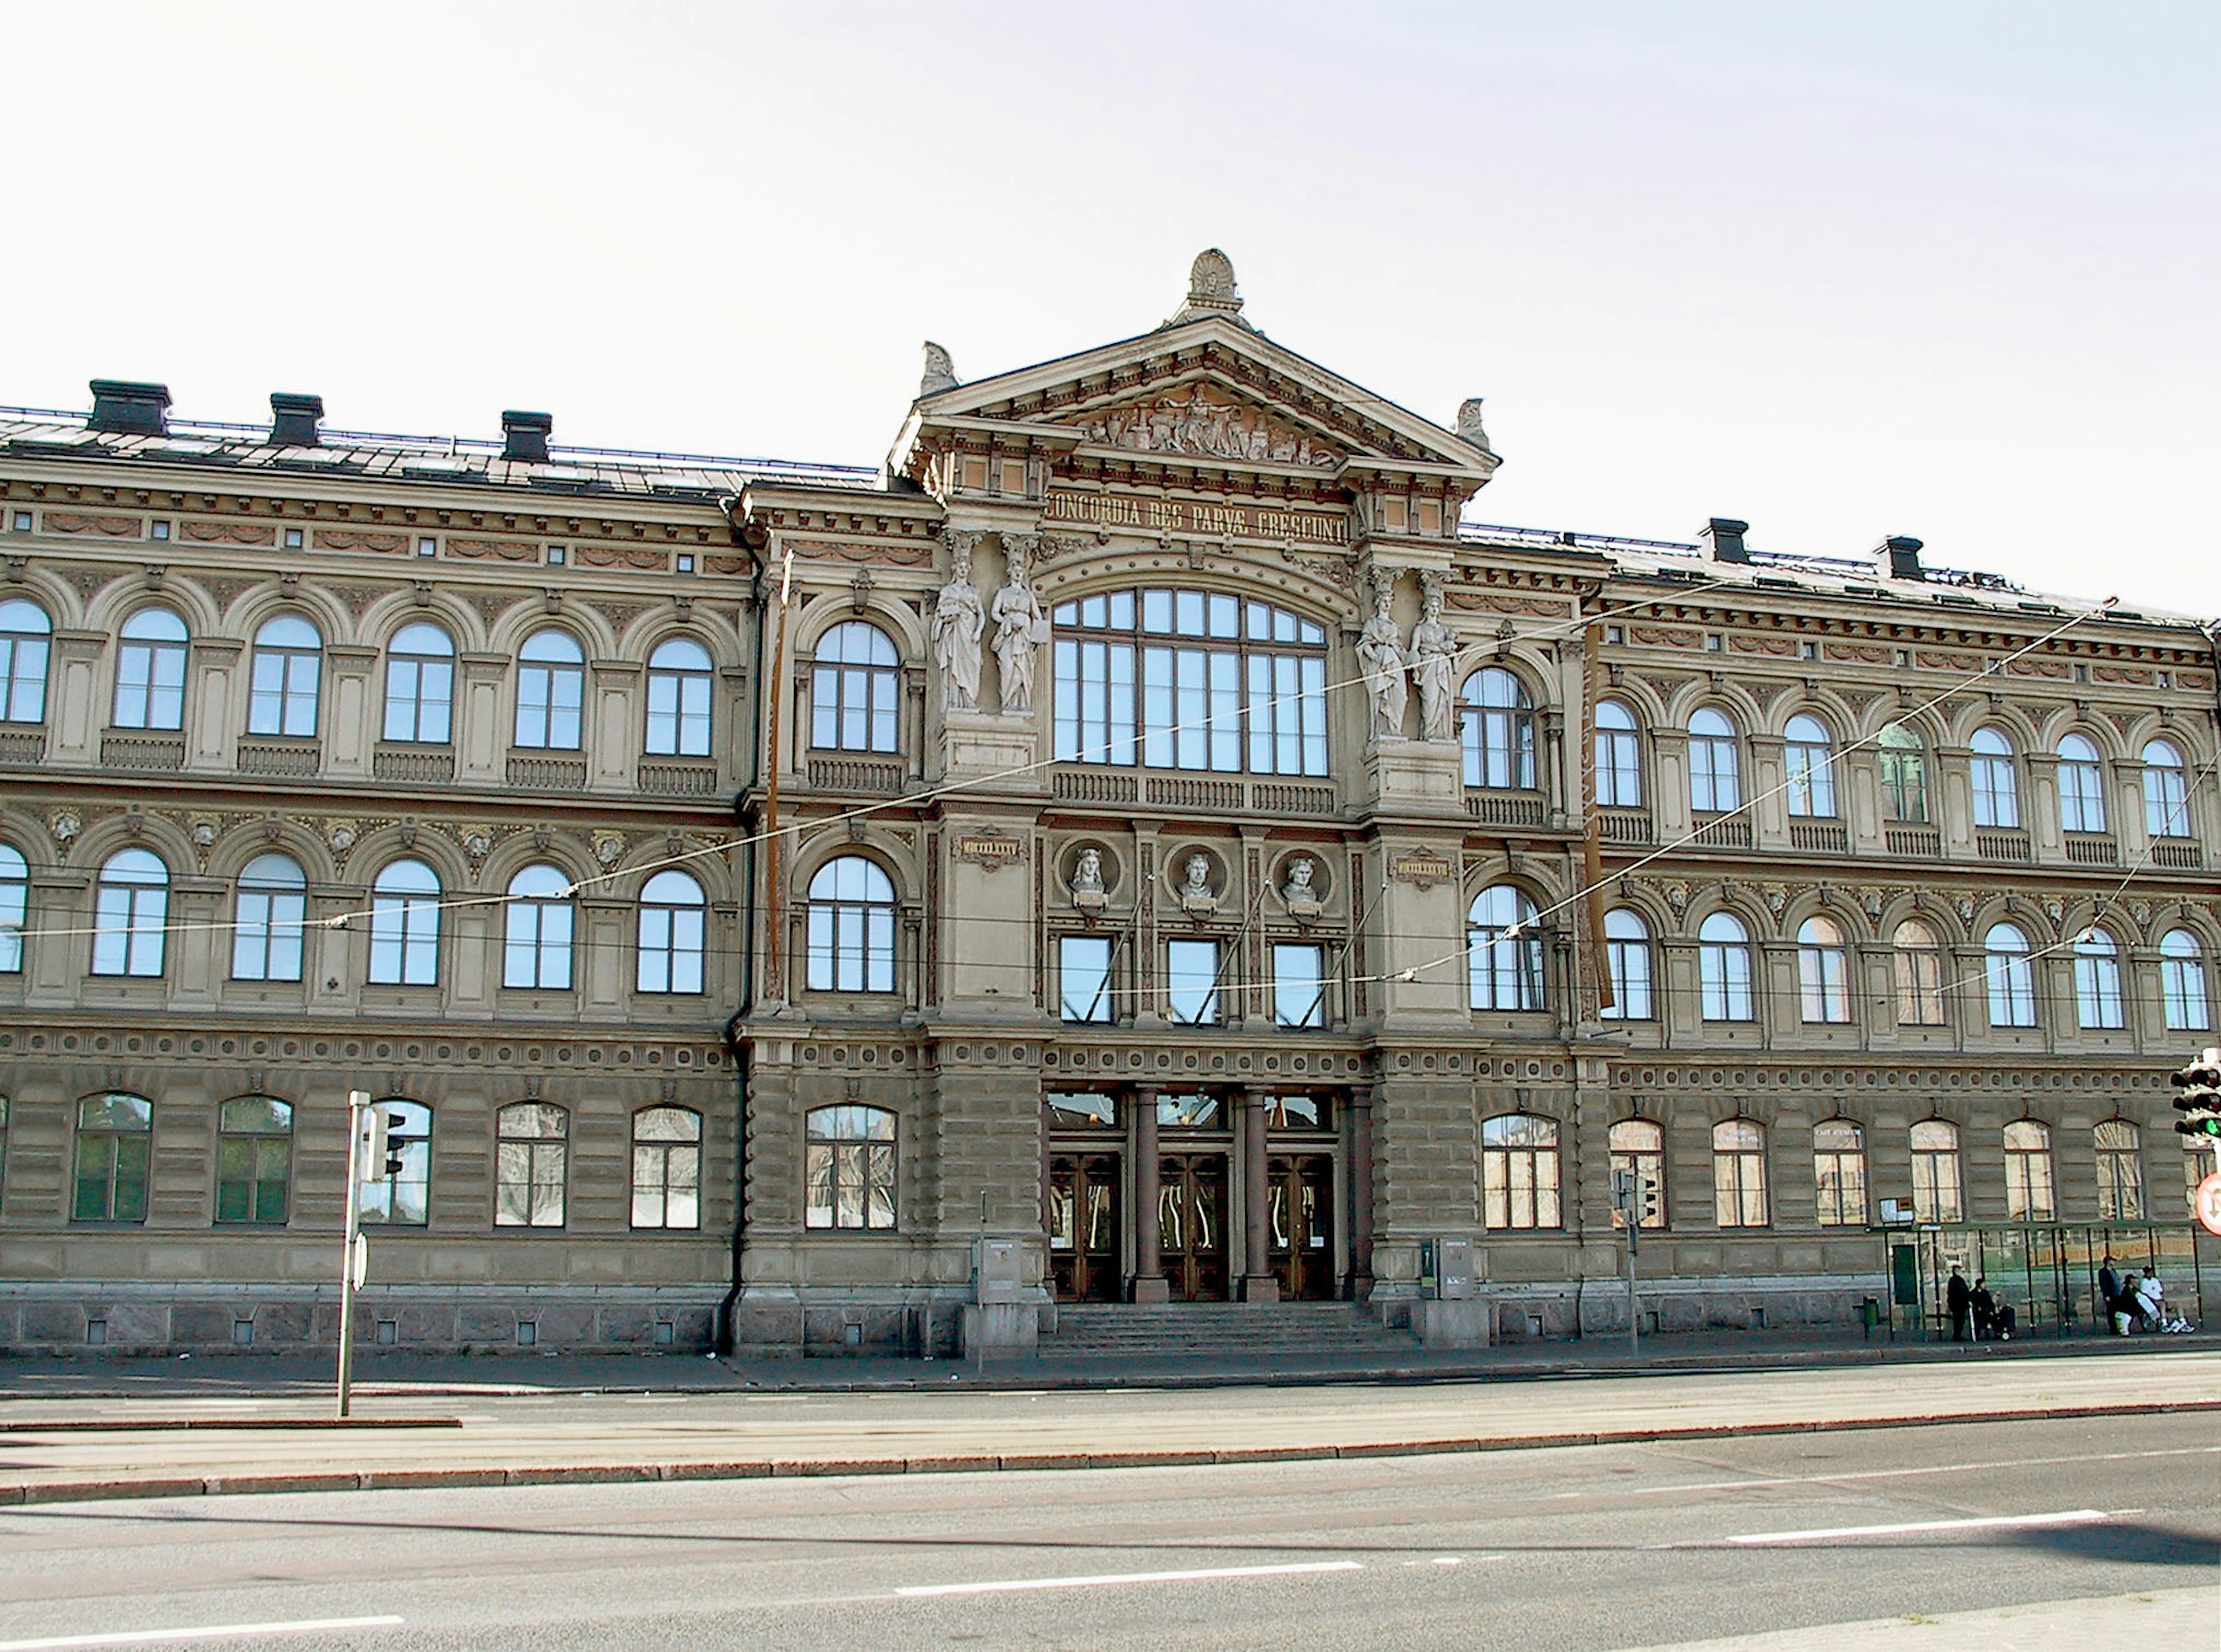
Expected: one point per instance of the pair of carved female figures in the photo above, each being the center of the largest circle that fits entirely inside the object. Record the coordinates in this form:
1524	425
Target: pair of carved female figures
1430	661
960	617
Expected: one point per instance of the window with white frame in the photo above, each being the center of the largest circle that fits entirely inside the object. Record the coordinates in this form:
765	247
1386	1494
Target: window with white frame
26	640
1739	1174
680	674
1497	724
1627	960
2181	976
551	693
404	926
1839	1173
666	1168
849	1168
851	928
1192	982
674	924
286	670
1298	985
532	1164
420	686
2167	792
2029	1196
1619	757
1996	778
1938	1191
15	907
1637	1147
398	1192
1520	1171
273	910
2120	1171
1191	679
1715	766
2012	976
855	690
1723	969
1809	755
1503	950
150	670
2082	786
1084	985
131	914
2098	981
536	929
1918	961
1904	765
1823	971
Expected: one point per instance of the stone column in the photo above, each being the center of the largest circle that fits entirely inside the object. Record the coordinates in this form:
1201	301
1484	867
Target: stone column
1360	1282
1258	1284
1148	1282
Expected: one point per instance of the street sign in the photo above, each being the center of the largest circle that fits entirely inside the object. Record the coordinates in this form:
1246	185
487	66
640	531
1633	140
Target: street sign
2208	1200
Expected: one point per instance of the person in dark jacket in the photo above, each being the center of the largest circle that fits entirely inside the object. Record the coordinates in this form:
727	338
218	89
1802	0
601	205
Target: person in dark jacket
1986	1312
1959	1300
2109	1296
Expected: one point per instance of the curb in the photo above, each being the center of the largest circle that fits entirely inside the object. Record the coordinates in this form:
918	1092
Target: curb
819	1467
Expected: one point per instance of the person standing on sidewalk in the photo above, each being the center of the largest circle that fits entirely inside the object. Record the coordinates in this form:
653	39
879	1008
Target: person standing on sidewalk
2108	1296
1959	1300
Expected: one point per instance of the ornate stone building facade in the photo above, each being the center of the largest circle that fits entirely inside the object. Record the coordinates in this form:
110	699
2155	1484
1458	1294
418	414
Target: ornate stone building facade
1145	844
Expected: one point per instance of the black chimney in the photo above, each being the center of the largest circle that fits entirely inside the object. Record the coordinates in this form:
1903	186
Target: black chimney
524	437
129	408
1725	535
1900	559
294	418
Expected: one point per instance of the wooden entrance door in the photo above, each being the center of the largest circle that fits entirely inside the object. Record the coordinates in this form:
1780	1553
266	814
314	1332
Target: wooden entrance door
1300	1206
1192	1225
1083	1241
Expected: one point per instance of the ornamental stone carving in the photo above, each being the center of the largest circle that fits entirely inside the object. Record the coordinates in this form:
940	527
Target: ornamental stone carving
1300	894
1202	424
1020	625
1198	898
1380	653
958	619
1434	664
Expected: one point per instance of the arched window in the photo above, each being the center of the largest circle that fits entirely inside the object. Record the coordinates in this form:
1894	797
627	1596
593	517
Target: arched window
1505	950
536	930
2120	1171
2098	981
2029	1197
114	1143
1938	1193
551	692
1627	958
849	1168
1619	757
15	907
852	927
1638	1149
2181	972
420	685
150	670
2012	977
253	1160
1839	1173
1519	1172
2082	786
2166	793
1997	779
680	674
1739	1174
1823	971
273	906
289	658
131	914
1810	756
404	926
1715	768
673	914
1497	727
26	636
1723	969
1904	774
398	1193
532	1164
855	690
1919	970
667	1168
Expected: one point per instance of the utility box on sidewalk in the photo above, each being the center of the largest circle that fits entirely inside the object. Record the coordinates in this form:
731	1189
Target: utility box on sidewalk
1449	1313
1002	1318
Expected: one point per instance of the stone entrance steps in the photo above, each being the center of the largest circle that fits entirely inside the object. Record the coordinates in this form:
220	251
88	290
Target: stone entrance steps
1188	1330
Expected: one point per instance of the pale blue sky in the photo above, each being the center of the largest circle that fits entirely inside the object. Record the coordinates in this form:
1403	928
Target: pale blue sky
1842	270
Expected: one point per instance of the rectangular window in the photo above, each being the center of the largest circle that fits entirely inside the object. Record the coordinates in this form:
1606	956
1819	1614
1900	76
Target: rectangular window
1083	967
1191	981
1298	985
1629	964
251	1173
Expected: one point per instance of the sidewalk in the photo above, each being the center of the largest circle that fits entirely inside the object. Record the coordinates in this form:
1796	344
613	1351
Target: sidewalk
433	1430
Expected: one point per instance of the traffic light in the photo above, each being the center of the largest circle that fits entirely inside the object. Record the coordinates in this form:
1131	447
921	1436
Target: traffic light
1651	1212
2199	1100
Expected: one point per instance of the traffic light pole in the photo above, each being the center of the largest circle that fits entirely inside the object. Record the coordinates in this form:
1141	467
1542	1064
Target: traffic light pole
1627	1197
350	1266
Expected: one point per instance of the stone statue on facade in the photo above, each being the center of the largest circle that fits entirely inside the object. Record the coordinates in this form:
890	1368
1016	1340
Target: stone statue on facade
1197	898
940	372
1299	895
1469	426
1380	653
1020	625
1433	665
958	619
1089	896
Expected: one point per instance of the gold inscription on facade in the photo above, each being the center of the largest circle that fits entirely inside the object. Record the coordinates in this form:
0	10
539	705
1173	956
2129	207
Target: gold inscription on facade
991	849
1180	516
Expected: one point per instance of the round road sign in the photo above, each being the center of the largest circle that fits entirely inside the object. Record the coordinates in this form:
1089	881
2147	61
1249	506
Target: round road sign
2209	1203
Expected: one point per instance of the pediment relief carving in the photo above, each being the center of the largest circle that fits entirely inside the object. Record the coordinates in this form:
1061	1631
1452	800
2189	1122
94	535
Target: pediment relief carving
1198	421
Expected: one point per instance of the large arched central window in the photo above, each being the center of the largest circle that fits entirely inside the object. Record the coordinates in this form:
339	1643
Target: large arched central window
1823	971
1627	960
2082	786
273	905
26	636
852	927
1919	961
1997	779
2098	981
1715	772
404	926
150	670
551	693
420	685
1739	1174
1193	680
536	930
854	690
15	907
2167	792
1497	727
2012	976
289	660
1619	757
131	915
1809	758
1839	1173
2181	978
1723	969
532	1164
671	914
1904	774
1506	951
678	679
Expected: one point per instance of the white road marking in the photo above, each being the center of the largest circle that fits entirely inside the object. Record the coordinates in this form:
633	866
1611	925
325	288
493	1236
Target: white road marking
1761	1483
2066	1517
220	1631
1013	1585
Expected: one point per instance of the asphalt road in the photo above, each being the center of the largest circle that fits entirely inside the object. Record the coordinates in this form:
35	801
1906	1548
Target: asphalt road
1534	1551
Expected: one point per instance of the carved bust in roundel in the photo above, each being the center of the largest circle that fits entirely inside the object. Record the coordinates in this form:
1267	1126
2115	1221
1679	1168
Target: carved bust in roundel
1299	894
1086	884
1197	898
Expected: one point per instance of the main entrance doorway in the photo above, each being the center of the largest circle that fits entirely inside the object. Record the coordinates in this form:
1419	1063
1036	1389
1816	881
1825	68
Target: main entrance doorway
1083	1243
1300	1197
1192	1225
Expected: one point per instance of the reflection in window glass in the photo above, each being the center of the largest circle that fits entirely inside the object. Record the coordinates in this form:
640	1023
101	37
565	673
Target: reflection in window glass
1191	981
2120	1171
1810	757
1739	1174
1619	757
551	693
852	927
678	680
25	634
131	915
2181	975
672	913
1627	957
287	665
2082	786
1298	985
849	1168
150	670
667	1168
273	905
15	907
1919	969
854	688
532	1157
253	1160
1839	1171
420	685
1519	1172
1938	1193
1084	978
1083	1110
404	926
398	1193
114	1141
2012	977
1723	969
1996	779
2028	1172
1189	1112
1497	723
1638	1149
